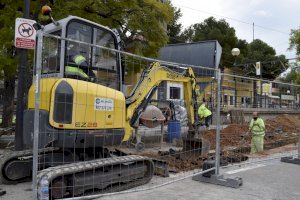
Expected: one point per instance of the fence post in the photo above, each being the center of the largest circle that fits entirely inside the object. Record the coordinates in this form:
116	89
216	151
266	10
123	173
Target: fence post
216	178
36	113
218	128
299	147
291	159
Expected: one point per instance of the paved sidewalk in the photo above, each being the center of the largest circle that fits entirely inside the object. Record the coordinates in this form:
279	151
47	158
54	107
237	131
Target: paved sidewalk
269	180
272	180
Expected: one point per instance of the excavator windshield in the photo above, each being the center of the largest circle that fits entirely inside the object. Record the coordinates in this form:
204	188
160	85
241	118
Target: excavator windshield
99	65
82	59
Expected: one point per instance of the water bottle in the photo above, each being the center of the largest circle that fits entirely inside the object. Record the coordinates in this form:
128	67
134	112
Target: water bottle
44	189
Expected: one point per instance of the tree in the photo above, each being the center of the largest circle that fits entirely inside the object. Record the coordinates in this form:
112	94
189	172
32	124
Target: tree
295	40
272	65
293	76
174	28
9	10
212	29
141	24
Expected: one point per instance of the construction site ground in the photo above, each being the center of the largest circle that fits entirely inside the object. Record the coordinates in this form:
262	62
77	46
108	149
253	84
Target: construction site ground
281	138
264	177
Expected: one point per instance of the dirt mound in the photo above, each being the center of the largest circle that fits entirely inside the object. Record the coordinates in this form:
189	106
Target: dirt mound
284	123
279	128
235	143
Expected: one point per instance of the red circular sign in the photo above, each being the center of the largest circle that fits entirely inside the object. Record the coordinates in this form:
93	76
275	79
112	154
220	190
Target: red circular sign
25	30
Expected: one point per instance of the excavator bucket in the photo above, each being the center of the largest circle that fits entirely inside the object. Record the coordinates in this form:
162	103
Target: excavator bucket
152	117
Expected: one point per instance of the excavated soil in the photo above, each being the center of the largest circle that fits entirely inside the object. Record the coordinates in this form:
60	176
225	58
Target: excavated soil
179	161
235	143
281	129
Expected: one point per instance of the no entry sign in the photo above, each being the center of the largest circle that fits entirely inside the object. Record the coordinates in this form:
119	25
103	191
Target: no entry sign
25	33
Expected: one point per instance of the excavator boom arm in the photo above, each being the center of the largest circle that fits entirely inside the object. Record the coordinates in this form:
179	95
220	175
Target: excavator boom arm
146	87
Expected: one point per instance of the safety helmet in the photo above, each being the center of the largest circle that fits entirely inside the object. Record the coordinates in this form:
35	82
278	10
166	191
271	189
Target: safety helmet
79	59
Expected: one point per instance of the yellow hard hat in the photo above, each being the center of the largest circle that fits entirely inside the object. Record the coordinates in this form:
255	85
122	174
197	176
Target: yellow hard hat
79	59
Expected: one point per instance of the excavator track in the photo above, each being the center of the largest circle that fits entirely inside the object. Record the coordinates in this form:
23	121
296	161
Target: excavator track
96	176
22	158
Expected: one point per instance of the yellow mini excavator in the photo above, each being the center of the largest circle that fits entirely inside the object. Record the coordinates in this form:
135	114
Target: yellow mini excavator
82	114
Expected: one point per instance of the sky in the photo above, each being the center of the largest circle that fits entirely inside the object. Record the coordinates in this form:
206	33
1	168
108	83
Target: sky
280	15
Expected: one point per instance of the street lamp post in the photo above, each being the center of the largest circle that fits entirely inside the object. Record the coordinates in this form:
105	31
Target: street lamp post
235	52
288	92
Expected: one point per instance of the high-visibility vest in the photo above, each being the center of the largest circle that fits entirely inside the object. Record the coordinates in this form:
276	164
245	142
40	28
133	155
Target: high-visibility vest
76	71
203	111
257	126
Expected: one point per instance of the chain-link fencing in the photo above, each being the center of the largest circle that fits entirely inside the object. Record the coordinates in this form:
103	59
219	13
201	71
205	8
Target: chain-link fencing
104	121
273	131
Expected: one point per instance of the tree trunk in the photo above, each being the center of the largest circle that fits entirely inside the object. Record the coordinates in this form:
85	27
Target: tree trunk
8	102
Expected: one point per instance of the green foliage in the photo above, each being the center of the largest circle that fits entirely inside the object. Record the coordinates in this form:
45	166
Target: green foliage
295	40
272	65
212	29
141	24
293	76
174	28
8	13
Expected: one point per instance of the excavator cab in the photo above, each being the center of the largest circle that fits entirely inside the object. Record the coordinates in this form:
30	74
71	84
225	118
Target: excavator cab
81	85
94	64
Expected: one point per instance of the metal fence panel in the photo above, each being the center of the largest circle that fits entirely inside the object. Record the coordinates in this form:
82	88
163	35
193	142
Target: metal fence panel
115	122
97	133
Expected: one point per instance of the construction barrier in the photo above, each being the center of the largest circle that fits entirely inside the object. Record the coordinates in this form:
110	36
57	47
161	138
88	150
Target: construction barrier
104	121
90	139
276	103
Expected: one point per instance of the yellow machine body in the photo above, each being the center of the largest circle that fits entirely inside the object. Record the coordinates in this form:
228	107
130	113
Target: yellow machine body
85	114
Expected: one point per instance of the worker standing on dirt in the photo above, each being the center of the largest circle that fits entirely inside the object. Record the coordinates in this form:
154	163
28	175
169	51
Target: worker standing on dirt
257	128
204	113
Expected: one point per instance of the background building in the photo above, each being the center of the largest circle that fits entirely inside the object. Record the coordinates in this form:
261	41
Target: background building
203	54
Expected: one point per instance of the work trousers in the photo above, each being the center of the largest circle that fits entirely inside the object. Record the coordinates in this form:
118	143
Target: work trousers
257	143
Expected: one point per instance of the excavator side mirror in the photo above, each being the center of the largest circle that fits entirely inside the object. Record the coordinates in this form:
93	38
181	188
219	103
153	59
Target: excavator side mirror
46	10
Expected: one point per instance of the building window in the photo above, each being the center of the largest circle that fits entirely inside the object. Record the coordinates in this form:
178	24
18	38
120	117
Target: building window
231	100
275	85
203	85
175	93
225	99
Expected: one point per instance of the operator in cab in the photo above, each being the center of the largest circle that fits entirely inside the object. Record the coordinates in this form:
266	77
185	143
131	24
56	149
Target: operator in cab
257	128
78	68
204	113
